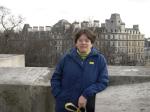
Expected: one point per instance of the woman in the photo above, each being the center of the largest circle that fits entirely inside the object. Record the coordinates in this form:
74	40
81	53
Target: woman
80	74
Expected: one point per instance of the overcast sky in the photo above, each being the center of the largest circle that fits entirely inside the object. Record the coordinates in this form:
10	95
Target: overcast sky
48	12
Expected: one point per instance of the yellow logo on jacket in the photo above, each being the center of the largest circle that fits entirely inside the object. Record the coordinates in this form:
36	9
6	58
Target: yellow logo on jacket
91	62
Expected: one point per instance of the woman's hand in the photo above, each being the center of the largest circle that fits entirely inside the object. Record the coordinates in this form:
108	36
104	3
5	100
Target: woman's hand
82	102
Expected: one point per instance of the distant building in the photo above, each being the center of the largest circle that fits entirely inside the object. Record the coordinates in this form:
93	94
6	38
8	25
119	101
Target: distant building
61	26
147	42
120	45
147	51
41	28
48	28
75	26
96	23
25	28
35	29
85	24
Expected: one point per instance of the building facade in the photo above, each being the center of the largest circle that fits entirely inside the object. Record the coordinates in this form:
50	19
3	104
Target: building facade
120	45
147	51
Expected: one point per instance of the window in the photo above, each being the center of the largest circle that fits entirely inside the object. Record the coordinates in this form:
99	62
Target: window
122	43
142	50
111	30
111	36
106	36
118	43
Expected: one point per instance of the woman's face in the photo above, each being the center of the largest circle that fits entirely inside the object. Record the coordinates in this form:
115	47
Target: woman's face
83	44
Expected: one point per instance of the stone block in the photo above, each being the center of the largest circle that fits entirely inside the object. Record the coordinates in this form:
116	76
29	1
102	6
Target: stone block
12	60
25	90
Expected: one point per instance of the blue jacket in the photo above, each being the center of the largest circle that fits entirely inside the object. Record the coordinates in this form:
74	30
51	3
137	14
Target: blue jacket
74	77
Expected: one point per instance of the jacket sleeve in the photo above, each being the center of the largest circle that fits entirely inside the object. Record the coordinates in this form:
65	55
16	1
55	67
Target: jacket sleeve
102	81
56	78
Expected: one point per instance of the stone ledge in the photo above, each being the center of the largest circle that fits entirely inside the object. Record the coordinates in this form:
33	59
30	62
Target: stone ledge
120	75
123	80
41	75
12	60
28	90
35	76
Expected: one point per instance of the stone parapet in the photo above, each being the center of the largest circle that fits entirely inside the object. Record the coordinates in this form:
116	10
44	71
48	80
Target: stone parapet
27	89
12	60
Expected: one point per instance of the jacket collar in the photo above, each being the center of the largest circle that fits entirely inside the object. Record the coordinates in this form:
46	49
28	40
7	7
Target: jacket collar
75	56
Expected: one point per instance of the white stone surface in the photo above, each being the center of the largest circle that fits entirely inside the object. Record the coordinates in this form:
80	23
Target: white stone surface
12	60
129	70
125	98
25	76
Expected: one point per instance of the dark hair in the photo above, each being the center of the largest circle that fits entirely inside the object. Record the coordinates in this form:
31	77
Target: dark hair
90	35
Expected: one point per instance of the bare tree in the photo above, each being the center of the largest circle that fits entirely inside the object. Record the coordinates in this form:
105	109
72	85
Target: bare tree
8	21
8	24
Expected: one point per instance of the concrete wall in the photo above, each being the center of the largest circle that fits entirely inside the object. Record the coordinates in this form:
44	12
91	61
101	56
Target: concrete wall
28	90
25	90
12	60
25	98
